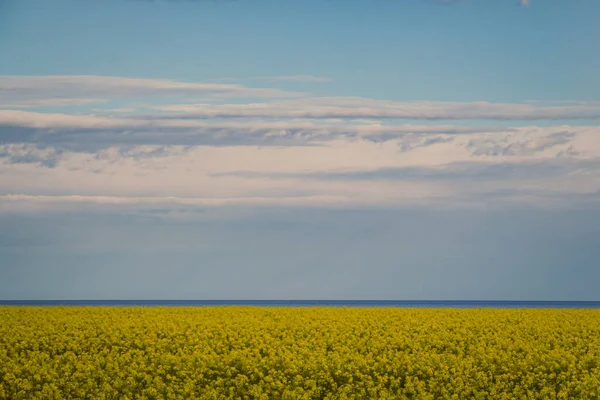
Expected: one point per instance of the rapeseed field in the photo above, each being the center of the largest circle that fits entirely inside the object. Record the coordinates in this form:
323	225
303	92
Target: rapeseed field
298	353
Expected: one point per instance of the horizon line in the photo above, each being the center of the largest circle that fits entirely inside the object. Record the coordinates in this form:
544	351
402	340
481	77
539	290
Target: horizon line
306	300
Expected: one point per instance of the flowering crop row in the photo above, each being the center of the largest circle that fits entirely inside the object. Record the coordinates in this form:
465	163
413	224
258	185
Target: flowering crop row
298	353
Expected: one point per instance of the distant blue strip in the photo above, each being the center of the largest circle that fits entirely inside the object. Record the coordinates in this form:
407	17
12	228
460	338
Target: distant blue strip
312	303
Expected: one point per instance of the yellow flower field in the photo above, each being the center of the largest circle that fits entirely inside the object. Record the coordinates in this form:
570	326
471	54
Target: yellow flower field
298	353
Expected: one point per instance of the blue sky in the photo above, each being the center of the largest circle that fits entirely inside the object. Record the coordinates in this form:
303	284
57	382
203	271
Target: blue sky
397	50
413	149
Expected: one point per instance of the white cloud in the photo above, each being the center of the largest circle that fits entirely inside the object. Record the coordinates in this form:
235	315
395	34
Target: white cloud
98	130
171	200
115	110
307	151
548	164
49	102
32	119
57	90
58	120
357	107
297	78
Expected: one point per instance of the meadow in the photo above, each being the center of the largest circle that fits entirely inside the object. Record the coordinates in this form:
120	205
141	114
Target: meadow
298	353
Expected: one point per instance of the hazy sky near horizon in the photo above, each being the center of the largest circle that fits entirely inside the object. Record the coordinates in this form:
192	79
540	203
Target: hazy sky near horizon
278	149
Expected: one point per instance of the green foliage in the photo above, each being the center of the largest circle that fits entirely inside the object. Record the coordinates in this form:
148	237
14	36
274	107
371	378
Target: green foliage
298	353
